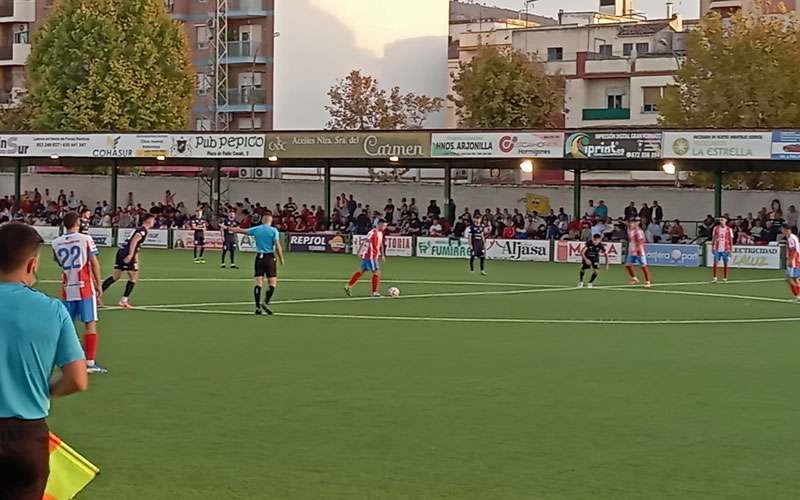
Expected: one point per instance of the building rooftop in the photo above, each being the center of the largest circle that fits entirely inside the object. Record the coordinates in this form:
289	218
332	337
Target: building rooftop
467	12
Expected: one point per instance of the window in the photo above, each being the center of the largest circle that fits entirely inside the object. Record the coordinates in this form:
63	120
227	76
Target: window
555	53
203	35
250	124
642	48
203	83
650	98
606	50
202	124
627	48
614	99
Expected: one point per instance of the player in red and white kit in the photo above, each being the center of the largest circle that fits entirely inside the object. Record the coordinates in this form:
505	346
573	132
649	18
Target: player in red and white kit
721	247
792	261
76	254
371	253
637	254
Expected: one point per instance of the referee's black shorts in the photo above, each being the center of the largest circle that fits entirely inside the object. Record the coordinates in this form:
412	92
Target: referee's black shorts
266	266
24	458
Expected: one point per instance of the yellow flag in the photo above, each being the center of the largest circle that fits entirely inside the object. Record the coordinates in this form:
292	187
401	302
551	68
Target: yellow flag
69	472
537	203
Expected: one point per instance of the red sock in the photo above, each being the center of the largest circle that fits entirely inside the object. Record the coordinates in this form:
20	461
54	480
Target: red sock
354	279
795	289
376	282
630	271
646	273
714	271
90	346
725	271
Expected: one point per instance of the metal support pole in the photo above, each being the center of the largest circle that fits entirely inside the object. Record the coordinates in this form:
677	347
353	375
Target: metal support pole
114	175
448	189
718	193
576	195
18	183
327	195
216	188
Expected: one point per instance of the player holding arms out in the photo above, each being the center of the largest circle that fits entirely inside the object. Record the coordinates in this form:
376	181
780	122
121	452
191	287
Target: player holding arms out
722	247
636	253
591	258
229	239
198	224
76	254
128	260
477	245
792	261
268	245
371	253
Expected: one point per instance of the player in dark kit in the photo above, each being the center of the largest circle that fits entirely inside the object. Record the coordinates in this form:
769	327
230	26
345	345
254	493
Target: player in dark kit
86	219
198	223
477	245
128	260
229	239
591	258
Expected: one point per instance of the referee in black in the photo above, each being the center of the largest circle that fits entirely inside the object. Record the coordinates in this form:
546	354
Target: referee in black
36	335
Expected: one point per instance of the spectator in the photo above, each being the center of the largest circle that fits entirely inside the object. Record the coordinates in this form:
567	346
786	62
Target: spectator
757	231
434	210
388	211
791	218
599	227
601	211
591	209
654	233
169	199
351	207
656	212
631	212
644	214
412	207
775	213
676	232
436	228
62	198
451	211
73	202
47	198
129	200
290	206
508	232
363	224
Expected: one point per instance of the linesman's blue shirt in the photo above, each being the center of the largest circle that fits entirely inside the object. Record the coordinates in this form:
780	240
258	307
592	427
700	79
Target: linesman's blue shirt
36	335
265	237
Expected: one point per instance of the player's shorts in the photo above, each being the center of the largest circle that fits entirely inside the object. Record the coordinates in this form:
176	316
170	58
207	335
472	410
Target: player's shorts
633	260
370	265
25	457
199	240
479	250
595	264
121	265
85	310
229	244
721	256
266	266
793	273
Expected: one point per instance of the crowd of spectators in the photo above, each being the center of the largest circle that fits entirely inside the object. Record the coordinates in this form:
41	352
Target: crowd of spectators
406	217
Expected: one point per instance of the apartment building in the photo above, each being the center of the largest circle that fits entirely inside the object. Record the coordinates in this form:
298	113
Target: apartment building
18	19
232	46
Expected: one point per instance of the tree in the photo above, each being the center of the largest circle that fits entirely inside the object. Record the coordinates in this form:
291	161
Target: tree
503	88
99	65
357	102
739	73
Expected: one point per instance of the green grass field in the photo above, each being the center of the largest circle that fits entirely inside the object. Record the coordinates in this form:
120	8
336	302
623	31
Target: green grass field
516	385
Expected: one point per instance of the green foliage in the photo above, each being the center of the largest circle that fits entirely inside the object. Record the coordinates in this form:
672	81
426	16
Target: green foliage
501	88
739	73
99	65
357	102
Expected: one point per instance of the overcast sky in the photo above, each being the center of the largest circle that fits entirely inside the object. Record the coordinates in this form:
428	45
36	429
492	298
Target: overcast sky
654	9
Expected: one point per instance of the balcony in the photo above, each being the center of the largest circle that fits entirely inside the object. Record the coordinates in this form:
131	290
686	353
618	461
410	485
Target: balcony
590	114
15	55
246	99
241	52
17	11
243	9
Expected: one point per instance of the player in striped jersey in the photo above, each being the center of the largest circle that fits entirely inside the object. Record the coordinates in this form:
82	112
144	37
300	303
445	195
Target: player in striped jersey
637	253
792	261
371	253
722	247
76	254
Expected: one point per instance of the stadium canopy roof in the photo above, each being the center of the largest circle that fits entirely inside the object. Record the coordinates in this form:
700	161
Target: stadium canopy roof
585	150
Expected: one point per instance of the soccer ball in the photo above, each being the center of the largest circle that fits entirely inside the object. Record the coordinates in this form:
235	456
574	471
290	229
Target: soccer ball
394	292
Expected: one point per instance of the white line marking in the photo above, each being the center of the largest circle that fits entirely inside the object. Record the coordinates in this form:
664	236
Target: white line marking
333	280
715	295
550	288
488	320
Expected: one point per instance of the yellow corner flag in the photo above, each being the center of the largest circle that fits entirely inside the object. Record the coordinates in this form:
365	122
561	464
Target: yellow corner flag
69	472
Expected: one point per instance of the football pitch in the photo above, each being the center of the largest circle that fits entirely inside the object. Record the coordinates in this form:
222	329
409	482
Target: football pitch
515	385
